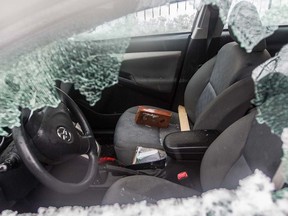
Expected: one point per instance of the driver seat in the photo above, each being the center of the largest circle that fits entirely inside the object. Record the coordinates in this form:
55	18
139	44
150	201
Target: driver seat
216	96
243	147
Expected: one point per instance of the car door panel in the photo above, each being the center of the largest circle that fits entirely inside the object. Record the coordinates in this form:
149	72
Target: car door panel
155	71
149	75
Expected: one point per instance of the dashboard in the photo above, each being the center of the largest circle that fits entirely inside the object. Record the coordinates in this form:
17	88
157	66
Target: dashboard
15	182
4	143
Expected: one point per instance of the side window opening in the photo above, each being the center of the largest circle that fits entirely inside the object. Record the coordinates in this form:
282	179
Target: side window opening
174	17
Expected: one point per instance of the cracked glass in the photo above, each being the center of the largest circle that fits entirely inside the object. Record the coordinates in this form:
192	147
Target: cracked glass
29	82
271	88
91	61
248	30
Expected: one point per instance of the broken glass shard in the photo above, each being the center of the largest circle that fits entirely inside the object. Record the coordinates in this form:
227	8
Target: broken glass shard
271	98
29	82
248	31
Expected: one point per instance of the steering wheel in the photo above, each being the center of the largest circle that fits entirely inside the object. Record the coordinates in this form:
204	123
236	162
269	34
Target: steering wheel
50	136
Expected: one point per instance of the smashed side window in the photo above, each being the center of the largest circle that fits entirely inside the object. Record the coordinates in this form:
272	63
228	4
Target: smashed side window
255	194
91	60
29	82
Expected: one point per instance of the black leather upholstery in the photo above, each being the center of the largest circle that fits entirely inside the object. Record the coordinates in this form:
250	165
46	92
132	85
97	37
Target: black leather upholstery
189	145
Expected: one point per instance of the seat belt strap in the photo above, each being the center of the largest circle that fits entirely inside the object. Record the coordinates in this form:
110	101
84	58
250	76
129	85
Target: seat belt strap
183	118
278	178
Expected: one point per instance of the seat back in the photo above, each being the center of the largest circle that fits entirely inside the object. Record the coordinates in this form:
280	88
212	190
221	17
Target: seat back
238	151
216	96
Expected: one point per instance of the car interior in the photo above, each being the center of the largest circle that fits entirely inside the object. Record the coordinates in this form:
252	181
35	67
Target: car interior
205	70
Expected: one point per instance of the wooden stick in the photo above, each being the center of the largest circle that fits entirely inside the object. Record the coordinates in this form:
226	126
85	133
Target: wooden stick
183	118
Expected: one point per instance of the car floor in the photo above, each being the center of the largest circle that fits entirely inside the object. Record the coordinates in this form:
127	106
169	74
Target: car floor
73	172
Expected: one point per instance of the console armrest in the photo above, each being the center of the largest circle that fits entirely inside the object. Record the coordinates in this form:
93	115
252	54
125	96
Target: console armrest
189	145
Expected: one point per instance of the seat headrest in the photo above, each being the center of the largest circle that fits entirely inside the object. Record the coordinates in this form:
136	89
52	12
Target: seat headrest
245	19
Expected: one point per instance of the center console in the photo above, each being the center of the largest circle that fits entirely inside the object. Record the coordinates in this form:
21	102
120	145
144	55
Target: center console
189	145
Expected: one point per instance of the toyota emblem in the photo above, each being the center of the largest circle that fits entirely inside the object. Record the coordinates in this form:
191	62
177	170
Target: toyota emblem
64	134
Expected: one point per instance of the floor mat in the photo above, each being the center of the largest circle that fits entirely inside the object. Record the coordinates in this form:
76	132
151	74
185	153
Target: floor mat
107	151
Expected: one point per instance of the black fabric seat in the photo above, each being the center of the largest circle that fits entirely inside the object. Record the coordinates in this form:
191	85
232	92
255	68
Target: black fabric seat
243	147
215	97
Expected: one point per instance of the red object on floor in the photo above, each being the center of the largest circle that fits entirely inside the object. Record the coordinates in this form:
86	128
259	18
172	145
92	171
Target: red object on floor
182	175
106	159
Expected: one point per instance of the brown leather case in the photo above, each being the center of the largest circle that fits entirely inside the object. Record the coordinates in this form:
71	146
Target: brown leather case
153	117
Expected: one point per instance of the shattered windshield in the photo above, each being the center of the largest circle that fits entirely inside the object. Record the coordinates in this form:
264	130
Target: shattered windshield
91	61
